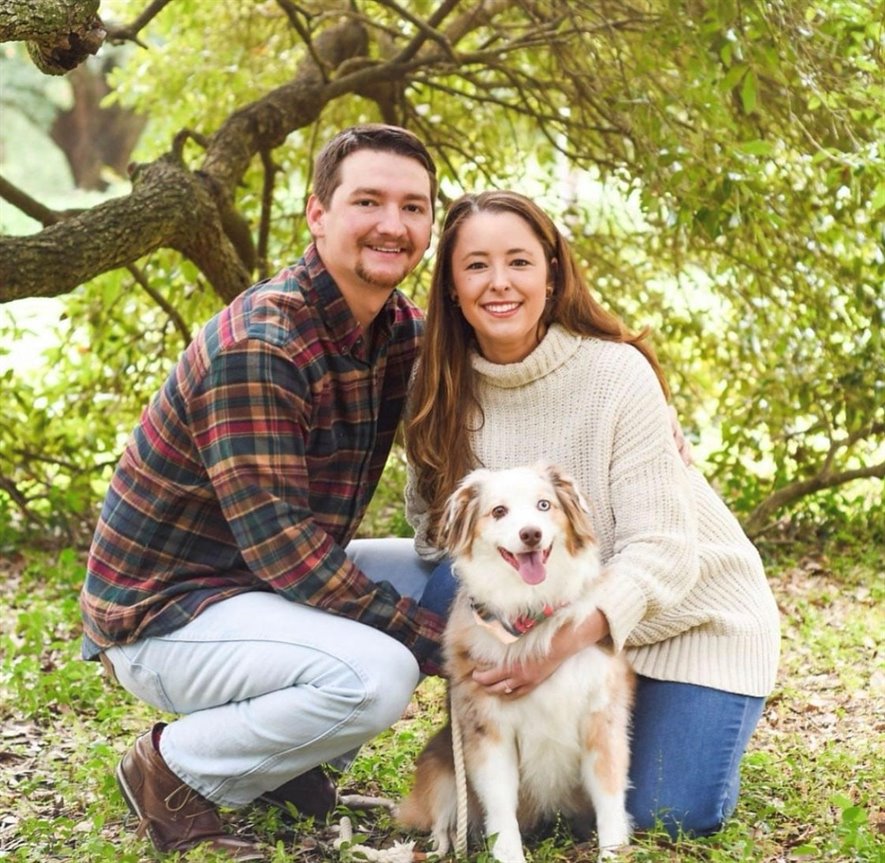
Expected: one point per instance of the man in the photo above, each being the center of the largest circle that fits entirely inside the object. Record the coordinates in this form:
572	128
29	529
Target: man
217	584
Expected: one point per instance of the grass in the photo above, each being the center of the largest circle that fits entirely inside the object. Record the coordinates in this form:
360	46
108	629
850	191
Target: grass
813	780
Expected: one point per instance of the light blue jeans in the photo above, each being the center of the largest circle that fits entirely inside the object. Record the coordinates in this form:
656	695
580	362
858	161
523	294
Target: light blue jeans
268	688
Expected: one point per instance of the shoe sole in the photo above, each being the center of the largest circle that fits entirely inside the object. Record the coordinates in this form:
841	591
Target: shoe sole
129	797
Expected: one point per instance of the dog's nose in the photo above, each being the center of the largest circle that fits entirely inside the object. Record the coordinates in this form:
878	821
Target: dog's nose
531	536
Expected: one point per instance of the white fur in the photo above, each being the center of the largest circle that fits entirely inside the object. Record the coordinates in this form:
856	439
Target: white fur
527	757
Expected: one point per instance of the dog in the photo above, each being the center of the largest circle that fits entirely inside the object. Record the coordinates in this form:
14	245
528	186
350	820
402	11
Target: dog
526	564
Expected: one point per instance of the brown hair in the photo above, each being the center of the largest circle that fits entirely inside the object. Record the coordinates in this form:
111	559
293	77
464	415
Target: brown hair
444	409
369	136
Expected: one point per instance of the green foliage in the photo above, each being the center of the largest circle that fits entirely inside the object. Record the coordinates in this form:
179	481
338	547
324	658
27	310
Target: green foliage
99	374
720	167
386	516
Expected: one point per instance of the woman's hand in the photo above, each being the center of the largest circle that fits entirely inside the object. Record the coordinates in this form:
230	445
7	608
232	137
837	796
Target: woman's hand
513	681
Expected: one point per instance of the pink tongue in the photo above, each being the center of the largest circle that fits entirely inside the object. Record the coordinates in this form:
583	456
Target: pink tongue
531	567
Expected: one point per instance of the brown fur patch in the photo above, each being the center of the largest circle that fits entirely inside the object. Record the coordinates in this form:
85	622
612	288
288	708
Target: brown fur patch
433	768
579	531
604	736
459	519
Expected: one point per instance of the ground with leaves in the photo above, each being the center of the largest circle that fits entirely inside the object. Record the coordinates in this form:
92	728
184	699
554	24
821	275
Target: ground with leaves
814	779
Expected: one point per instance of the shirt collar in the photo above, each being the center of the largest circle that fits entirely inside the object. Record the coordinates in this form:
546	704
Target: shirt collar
336	314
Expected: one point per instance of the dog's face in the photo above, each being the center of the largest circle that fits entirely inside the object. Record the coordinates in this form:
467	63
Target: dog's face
519	516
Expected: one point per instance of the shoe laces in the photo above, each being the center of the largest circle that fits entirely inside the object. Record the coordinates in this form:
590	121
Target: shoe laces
187	794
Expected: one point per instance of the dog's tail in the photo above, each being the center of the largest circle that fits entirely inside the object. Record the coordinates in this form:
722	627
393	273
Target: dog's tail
430	806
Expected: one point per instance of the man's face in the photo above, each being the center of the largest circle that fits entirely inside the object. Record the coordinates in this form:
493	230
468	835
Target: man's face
377	225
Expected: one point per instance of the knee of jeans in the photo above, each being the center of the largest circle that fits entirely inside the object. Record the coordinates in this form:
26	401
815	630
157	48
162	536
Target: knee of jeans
702	821
389	690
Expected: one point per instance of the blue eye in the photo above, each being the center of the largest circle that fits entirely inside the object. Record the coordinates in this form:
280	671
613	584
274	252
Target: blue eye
543	505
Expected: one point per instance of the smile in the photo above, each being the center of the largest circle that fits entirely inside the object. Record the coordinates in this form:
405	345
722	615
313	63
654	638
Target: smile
501	308
385	250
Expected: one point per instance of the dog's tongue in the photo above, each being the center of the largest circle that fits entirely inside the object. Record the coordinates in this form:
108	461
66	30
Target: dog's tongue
531	567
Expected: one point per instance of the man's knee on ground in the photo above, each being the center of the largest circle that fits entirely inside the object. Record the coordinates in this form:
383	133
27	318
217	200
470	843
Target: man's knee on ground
389	682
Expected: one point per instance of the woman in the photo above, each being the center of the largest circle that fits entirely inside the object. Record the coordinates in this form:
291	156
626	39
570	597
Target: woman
521	363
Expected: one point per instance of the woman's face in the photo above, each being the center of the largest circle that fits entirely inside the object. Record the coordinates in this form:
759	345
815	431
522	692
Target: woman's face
500	277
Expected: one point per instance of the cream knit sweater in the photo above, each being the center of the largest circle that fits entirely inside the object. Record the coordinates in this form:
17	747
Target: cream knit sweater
688	599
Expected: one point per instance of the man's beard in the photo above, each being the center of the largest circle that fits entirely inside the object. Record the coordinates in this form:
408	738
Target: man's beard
385	281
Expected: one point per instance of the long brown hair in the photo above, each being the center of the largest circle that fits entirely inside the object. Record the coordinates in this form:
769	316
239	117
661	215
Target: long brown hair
444	409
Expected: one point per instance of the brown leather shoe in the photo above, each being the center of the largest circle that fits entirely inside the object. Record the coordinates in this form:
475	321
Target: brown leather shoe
312	793
174	816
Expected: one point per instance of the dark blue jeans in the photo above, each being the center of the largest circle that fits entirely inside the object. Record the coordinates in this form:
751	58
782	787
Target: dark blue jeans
687	743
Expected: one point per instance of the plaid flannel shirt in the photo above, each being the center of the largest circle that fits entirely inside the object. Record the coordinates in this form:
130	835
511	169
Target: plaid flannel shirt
253	466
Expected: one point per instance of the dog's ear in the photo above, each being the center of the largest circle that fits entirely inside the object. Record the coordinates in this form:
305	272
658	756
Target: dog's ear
575	507
460	515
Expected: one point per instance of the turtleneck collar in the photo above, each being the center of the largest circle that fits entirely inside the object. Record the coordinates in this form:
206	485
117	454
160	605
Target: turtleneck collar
555	349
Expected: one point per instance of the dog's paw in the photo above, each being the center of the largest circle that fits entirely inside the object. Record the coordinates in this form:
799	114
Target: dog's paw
611	853
440	841
508	849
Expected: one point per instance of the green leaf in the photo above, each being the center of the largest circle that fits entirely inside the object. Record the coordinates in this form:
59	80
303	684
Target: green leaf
757	147
733	76
749	89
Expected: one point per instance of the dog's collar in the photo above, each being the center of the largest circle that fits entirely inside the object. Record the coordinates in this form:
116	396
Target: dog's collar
509	631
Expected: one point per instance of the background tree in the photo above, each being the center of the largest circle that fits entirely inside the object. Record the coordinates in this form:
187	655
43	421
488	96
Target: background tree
719	165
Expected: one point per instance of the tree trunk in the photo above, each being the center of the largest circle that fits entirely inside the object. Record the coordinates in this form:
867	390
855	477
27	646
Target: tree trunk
93	137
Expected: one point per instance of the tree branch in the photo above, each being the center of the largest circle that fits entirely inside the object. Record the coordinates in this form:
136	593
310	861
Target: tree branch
759	519
170	206
426	29
177	321
23	201
270	173
60	34
264	124
129	33
291	11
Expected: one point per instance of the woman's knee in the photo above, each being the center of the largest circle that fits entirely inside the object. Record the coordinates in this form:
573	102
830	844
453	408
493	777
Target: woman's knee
703	819
687	788
394	560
